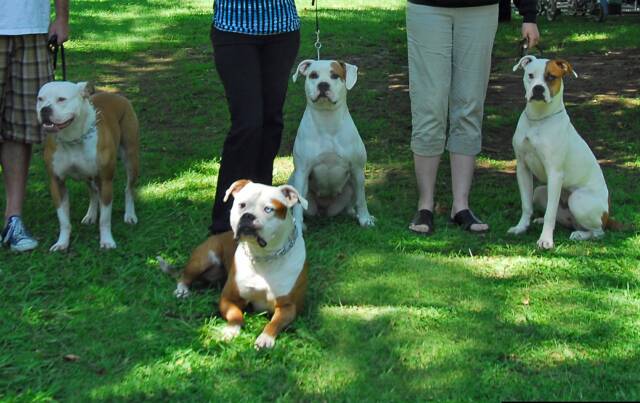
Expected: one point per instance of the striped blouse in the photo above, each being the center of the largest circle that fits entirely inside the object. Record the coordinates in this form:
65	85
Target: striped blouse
255	17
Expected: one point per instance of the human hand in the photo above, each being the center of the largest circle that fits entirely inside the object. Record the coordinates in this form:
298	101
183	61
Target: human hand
531	34
60	28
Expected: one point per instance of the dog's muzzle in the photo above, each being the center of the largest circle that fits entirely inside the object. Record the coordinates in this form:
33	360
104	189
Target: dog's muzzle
246	227
537	93
48	124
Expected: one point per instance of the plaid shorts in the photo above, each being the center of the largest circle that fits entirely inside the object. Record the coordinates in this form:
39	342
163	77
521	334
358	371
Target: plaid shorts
25	66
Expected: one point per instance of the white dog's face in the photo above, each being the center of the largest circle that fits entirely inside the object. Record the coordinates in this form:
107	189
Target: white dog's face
259	212
327	81
543	77
60	103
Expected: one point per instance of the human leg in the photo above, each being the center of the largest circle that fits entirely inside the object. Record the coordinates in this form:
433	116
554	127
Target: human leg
473	35
238	64
277	56
429	40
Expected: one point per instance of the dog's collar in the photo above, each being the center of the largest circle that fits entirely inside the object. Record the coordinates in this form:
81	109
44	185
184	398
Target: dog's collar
543	118
293	237
93	130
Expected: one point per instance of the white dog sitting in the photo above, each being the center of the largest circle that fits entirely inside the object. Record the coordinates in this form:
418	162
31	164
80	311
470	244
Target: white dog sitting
329	156
548	146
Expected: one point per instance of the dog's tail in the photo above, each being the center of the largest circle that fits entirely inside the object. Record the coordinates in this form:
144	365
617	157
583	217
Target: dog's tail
167	268
609	223
613	225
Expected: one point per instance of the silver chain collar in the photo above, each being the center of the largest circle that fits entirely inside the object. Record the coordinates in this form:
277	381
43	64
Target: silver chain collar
293	237
93	130
544	118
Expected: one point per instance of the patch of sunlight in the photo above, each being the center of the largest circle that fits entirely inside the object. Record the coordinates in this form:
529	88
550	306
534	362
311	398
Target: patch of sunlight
166	373
502	267
555	353
282	169
196	184
501	165
615	99
588	37
371	312
335	373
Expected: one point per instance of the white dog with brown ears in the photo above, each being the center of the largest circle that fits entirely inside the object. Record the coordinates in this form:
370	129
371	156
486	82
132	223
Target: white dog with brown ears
329	156
548	147
87	133
263	259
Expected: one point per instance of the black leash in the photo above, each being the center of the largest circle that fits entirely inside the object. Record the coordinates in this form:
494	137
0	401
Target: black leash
53	49
318	44
523	48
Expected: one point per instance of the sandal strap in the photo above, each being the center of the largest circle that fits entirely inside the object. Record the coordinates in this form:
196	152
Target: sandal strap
465	219
423	217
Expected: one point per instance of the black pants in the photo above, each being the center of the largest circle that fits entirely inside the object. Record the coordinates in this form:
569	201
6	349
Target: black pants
255	71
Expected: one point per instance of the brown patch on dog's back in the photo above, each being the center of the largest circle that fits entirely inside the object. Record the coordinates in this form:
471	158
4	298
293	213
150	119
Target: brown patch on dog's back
339	69
281	209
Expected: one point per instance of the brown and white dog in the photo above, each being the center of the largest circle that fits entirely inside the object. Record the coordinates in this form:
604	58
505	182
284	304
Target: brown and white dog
548	147
87	133
264	256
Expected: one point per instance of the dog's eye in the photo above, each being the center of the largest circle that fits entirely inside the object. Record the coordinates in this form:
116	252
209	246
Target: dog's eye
268	209
550	77
334	76
61	99
243	205
313	75
531	76
40	99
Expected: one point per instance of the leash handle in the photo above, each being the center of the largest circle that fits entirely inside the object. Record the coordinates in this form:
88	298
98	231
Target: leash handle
523	48
53	49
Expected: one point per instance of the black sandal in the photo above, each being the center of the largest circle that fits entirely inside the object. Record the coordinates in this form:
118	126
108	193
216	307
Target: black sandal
422	217
465	219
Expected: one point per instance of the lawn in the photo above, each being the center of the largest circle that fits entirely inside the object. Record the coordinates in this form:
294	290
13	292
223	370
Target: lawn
390	316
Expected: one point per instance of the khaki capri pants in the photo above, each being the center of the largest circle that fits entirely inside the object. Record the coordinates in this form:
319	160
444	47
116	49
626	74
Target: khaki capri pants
449	65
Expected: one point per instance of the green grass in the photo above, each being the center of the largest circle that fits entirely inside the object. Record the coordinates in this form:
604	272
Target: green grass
390	316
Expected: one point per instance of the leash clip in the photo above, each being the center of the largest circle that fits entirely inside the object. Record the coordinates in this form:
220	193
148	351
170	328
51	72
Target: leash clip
318	44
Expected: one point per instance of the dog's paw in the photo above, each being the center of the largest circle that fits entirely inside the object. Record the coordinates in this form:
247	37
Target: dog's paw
130	218
580	235
182	291
89	219
545	243
264	341
107	243
59	247
230	332
517	230
538	221
367	220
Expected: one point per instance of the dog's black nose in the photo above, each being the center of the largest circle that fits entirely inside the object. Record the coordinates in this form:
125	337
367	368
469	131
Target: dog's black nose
323	86
246	220
538	90
45	114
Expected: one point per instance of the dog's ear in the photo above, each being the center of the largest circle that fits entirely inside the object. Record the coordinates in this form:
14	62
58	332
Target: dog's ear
565	66
302	69
86	88
291	196
351	74
522	63
235	188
